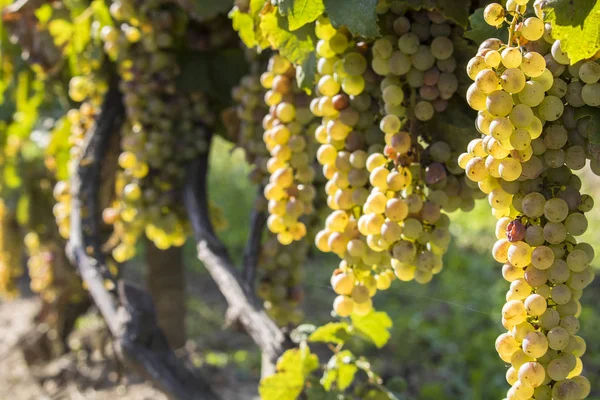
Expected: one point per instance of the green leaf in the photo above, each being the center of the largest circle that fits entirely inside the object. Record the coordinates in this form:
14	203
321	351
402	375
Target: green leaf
576	24
61	31
256	6
101	13
208	9
11	176
374	326
296	46
44	13
481	31
593	127
333	332
22	211
329	378
306	73
358	16
346	374
457	11
301	12
81	35
300	361
293	368
58	147
281	386
244	25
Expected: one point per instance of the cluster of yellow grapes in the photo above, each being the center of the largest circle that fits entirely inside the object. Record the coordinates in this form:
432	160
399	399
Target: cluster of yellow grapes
280	284
346	103
530	144
163	131
40	266
288	138
250	110
386	201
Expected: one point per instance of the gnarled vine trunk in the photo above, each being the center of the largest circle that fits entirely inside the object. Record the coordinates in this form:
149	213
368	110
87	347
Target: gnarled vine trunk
165	278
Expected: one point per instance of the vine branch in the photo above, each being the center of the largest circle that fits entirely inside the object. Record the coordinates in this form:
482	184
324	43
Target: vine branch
252	250
243	304
129	314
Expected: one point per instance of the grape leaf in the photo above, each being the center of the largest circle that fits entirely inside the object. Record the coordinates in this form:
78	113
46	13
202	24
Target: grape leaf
293	367
305	73
281	386
256	6
22	211
481	31
576	24
299	360
329	378
101	13
333	332
43	14
457	11
358	16
244	25
300	12
207	9
346	374
61	31
373	326
296	46
58	147
593	128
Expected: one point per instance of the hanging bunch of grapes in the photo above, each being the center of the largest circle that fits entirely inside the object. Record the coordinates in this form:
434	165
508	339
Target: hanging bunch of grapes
526	93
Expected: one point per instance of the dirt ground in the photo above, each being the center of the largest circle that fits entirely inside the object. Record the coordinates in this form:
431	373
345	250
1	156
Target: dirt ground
82	374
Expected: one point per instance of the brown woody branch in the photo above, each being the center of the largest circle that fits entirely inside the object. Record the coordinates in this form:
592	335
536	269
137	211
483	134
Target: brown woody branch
243	304
130	315
252	250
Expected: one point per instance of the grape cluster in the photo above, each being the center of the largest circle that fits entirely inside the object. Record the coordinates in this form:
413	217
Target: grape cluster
346	104
417	65
40	266
418	51
280	284
163	131
288	137
250	110
525	95
387	187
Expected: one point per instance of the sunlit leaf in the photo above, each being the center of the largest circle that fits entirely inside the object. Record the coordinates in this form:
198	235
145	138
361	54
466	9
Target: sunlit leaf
301	12
576	24
296	46
333	332
373	326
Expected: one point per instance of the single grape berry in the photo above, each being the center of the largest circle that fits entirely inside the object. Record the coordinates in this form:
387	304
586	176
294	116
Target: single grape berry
435	173
515	231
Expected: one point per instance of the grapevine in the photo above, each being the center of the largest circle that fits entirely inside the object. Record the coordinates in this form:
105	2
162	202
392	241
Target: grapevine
367	127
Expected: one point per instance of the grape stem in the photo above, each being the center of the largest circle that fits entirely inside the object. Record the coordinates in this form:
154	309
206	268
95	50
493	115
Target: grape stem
511	29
